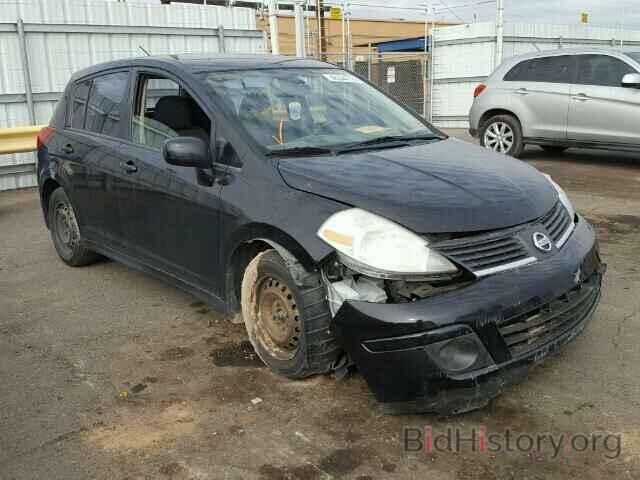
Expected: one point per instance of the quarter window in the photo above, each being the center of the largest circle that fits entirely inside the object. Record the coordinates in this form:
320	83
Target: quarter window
106	104
556	69
79	104
602	70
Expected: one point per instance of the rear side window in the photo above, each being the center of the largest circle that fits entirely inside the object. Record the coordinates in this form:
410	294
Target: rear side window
602	70
107	104
79	104
557	69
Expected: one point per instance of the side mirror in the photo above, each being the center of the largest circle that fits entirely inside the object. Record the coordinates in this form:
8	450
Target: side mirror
186	152
631	80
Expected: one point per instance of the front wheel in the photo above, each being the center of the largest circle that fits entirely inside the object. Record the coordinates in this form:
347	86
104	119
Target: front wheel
502	134
287	324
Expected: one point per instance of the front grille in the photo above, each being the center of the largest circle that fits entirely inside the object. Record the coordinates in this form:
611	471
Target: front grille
484	253
531	327
557	222
489	253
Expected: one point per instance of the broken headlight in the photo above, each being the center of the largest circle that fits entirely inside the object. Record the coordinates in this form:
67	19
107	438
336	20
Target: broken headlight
377	247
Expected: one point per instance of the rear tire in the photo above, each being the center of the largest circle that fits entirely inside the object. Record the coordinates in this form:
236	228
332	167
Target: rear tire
502	134
553	149
65	232
287	324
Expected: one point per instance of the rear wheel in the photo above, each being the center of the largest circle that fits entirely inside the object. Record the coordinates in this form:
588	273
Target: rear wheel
65	232
502	134
287	324
553	149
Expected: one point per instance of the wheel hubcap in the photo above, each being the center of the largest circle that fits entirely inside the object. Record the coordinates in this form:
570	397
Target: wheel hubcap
499	137
278	324
67	226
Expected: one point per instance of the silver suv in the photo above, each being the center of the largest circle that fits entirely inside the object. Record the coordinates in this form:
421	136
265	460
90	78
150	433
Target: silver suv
587	98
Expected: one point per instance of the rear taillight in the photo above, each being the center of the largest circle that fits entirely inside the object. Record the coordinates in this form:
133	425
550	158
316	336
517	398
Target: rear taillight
43	136
479	89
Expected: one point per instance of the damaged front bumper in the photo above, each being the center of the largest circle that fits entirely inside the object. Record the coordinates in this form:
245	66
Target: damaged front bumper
496	327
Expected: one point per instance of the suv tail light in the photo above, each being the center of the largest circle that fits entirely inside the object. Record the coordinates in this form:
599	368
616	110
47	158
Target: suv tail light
43	136
479	89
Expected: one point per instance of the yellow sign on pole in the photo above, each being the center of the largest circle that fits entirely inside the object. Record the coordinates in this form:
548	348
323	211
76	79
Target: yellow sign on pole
335	13
584	18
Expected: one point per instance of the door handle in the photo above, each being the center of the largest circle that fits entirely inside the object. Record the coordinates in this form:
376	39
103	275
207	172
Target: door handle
68	148
522	91
581	97
129	166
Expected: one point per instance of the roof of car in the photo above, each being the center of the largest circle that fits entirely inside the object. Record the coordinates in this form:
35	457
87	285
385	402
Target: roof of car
577	51
203	62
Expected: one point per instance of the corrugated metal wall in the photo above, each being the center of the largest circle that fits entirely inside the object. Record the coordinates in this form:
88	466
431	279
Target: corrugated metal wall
464	55
63	36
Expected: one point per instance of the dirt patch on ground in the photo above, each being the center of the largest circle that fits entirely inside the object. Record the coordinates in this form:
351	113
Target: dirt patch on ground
236	355
612	227
152	431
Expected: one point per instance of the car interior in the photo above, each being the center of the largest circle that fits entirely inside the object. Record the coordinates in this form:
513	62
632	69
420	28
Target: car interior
165	110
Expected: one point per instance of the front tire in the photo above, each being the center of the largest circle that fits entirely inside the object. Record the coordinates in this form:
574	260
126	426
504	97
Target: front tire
287	324
502	134
65	232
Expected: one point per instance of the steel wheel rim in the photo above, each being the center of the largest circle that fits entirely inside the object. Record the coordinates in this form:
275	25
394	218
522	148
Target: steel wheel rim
278	320
499	137
67	231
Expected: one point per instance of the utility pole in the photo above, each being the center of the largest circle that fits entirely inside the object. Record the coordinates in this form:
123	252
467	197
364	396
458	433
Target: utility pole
299	25
349	38
322	33
273	27
499	31
427	11
344	30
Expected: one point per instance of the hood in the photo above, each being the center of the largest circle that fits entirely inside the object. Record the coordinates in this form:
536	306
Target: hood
442	187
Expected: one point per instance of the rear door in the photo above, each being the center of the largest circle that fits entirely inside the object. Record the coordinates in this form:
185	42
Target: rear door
90	147
601	110
539	91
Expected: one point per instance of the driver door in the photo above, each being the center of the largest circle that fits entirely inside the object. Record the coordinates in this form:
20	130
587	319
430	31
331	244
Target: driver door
600	109
170	214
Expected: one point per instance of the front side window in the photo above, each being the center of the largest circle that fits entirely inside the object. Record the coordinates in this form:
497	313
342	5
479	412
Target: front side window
310	108
79	104
602	70
164	110
557	69
107	104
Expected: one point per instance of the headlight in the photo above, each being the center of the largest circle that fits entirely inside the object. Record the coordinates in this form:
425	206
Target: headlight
380	248
563	197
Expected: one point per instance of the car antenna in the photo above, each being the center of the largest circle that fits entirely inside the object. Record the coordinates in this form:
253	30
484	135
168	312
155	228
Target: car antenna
146	52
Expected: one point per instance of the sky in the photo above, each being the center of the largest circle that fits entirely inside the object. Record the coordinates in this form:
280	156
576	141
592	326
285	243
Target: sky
605	13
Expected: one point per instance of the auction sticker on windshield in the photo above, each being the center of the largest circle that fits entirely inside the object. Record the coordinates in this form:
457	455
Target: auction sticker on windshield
341	77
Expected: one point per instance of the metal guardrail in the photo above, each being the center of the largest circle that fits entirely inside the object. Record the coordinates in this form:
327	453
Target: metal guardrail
19	139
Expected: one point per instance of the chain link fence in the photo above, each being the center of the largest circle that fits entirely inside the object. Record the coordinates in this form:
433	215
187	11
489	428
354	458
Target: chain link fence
403	76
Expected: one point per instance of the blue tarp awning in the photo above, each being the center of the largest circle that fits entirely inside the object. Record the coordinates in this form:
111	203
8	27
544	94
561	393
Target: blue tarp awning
404	45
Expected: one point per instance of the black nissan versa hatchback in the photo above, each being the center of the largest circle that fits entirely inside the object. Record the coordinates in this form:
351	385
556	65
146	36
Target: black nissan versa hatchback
339	224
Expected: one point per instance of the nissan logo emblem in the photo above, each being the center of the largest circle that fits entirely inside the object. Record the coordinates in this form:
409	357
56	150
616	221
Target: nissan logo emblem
542	242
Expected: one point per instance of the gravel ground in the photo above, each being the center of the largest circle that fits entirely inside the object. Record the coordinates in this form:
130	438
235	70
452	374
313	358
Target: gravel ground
108	373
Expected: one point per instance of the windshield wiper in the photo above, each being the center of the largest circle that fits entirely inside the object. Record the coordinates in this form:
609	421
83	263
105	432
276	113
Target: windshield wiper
388	141
299	151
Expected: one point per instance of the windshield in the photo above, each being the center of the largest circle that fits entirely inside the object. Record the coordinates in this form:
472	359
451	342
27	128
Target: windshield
311	108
